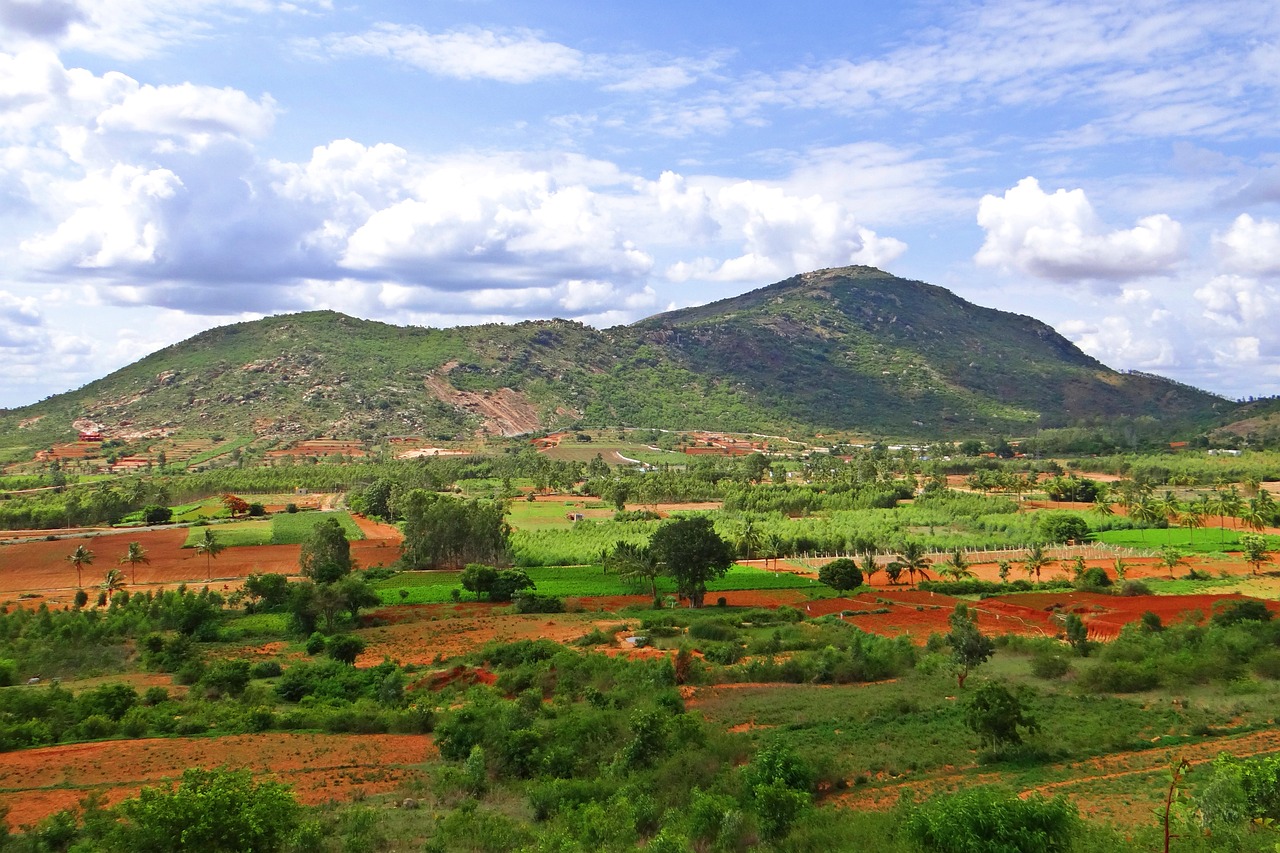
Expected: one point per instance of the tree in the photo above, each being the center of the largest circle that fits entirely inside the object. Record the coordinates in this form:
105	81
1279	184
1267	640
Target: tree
1255	550
211	548
748	539
113	582
80	558
1171	558
508	583
135	555
1077	634
912	560
235	505
1036	560
442	532
210	811
635	564
269	590
869	566
841	575
326	555
693	554
357	593
156	514
995	714
344	648
957	567
969	646
1062	527
478	580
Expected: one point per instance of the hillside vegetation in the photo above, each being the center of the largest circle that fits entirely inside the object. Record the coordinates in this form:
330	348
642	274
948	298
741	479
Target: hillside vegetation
842	349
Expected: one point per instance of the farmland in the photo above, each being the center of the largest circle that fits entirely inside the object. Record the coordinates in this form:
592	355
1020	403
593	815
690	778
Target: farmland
576	709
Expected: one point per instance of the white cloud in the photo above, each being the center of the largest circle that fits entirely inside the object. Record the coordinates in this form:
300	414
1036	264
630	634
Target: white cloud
189	111
1250	246
783	234
1238	302
1058	236
518	56
1117	341
129	29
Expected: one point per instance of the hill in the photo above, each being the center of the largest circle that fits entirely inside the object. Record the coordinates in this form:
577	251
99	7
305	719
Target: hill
852	348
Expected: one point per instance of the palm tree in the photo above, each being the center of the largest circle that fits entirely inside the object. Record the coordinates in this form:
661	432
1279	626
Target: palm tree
1224	504
771	548
869	566
210	547
1145	511
1169	506
956	568
748	537
1193	517
135	555
80	558
912	560
1253	514
1121	568
113	583
1036	560
1102	504
1171	558
635	564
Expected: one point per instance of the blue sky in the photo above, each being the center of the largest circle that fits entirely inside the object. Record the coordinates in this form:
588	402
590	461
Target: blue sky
168	167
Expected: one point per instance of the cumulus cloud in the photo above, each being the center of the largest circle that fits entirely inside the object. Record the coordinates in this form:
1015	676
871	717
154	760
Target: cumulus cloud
1250	246
1238	302
783	234
1058	236
43	19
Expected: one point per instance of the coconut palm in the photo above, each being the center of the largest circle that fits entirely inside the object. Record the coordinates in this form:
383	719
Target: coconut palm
748	537
636	564
956	568
114	581
211	548
1120	567
1169	506
135	555
771	547
912	560
1224	504
1193	517
80	558
1254	515
869	566
1145	510
1036	560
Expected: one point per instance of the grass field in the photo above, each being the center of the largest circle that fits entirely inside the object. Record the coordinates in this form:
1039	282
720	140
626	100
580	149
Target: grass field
581	581
1204	541
293	528
280	529
548	515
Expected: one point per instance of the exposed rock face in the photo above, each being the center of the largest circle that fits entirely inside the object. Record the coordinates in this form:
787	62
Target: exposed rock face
503	412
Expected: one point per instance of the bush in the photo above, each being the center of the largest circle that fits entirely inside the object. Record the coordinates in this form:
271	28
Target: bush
1120	676
712	629
257	510
265	669
992	820
1094	577
841	575
1050	666
532	602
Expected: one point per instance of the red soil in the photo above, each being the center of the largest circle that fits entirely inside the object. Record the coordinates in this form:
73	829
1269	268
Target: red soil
38	782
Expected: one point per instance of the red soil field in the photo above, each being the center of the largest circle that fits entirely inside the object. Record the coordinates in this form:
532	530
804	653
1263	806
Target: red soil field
38	567
38	782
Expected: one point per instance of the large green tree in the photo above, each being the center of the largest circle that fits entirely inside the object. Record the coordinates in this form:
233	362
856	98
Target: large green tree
326	555
693	553
443	532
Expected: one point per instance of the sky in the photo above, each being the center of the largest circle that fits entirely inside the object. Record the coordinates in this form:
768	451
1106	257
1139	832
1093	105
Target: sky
166	167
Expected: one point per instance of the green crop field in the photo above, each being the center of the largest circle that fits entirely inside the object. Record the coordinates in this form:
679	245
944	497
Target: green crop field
280	529
1204	541
293	528
582	581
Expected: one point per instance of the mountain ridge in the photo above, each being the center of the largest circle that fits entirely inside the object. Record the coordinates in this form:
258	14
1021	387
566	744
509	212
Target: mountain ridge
850	348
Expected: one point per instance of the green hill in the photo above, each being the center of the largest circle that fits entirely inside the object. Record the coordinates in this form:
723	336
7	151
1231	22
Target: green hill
852	348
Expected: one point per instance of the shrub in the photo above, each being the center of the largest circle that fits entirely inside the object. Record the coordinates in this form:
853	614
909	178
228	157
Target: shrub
265	669
992	820
1050	666
841	575
532	602
1094	577
1120	676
